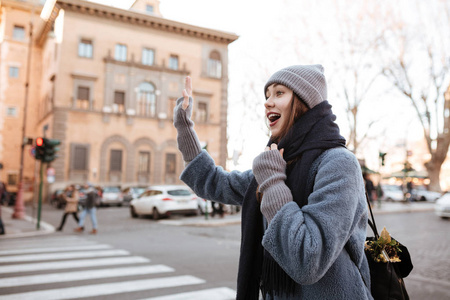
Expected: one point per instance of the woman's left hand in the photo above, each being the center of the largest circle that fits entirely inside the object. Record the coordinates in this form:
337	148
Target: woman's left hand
269	165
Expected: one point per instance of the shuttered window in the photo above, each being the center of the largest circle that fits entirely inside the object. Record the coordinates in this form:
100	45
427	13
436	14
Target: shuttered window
115	162
80	158
144	162
171	163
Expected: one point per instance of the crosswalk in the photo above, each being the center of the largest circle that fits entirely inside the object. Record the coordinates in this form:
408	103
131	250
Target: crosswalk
69	267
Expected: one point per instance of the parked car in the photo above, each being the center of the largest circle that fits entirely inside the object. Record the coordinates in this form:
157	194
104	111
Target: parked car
131	192
420	193
164	200
442	206
57	199
392	193
111	195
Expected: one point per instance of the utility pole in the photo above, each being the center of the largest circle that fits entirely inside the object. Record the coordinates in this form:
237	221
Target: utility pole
19	208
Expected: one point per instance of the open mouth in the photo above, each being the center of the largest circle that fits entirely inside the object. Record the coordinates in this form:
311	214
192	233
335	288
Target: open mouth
273	118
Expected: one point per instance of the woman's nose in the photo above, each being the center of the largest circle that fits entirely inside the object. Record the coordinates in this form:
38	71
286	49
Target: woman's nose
269	102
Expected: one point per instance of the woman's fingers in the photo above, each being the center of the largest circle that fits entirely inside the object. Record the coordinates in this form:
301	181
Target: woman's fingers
188	85
274	147
187	92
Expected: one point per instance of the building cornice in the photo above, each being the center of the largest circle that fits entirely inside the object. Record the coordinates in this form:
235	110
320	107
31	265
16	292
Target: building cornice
145	20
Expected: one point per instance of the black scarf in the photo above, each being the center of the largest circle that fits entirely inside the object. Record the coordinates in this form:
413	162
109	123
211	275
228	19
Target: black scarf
310	136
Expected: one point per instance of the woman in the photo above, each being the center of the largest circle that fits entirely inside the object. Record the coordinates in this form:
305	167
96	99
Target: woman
71	197
303	203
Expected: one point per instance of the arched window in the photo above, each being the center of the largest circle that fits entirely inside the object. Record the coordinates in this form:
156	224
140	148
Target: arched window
214	65
146	102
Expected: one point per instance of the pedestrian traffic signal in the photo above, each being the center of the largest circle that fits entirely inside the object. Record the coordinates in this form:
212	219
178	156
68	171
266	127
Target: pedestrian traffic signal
46	149
40	149
382	155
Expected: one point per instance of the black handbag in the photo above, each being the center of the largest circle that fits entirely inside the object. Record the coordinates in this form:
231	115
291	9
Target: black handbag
387	277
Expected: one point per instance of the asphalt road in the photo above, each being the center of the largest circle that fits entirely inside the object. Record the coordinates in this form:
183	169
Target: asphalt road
197	259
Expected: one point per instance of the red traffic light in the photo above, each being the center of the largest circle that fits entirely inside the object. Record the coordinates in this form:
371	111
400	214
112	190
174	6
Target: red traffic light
39	142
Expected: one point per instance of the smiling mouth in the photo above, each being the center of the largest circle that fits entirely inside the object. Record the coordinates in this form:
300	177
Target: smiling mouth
273	118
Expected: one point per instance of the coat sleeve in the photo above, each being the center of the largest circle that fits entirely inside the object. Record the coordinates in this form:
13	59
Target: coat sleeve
211	182
306	242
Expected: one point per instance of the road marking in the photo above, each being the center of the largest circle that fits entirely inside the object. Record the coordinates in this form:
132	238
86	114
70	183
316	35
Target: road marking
216	294
55	249
81	263
65	255
106	288
83	275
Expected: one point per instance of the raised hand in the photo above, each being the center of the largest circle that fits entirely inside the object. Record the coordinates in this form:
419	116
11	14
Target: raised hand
187	92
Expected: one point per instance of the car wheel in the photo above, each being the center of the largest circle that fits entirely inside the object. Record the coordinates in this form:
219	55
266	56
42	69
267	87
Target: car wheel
423	198
119	205
133	212
156	215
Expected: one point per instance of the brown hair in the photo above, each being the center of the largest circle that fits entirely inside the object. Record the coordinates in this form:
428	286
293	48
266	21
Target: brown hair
298	109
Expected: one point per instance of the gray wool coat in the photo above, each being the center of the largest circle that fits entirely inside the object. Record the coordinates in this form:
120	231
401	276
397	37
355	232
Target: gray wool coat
308	243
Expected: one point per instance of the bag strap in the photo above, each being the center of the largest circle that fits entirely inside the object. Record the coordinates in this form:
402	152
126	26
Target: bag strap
372	222
375	231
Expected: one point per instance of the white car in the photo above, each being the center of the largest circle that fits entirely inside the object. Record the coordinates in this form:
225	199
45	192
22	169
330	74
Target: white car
442	206
111	195
420	193
164	200
392	193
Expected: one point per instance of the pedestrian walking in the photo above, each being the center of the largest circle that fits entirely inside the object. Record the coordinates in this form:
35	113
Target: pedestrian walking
304	212
71	197
370	188
89	209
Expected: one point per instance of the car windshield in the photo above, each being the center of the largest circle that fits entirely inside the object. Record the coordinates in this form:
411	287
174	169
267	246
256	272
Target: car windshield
111	190
179	192
138	190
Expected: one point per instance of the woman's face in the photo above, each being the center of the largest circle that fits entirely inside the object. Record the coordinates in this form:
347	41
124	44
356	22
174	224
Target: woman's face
278	100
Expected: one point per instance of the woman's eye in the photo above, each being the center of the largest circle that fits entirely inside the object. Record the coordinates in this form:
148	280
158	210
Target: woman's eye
279	93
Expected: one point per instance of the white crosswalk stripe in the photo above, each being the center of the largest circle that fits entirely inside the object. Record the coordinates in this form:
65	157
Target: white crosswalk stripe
82	275
82	263
54	249
106	288
86	262
65	255
216	294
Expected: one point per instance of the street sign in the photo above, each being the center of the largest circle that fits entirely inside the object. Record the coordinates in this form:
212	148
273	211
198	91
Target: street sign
50	175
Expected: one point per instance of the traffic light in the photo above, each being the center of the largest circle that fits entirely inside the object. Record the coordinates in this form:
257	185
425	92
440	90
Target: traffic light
40	149
382	155
50	149
46	149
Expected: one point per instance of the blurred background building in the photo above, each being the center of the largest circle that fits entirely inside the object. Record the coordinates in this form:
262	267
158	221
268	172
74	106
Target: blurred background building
104	81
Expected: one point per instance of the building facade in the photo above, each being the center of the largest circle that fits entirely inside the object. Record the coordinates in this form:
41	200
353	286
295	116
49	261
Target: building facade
104	81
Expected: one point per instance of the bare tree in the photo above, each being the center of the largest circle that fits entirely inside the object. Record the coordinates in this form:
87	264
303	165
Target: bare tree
417	63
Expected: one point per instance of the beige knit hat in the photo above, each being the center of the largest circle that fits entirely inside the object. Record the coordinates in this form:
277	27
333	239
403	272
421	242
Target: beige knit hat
307	82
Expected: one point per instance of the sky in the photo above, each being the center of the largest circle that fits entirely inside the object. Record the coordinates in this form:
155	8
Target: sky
255	21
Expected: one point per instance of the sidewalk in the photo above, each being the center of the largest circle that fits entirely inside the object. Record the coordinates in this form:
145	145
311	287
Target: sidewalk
16	228
27	226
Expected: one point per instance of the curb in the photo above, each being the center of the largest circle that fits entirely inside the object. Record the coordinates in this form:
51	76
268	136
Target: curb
45	228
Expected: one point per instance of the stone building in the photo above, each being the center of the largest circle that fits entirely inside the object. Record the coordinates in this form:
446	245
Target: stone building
104	81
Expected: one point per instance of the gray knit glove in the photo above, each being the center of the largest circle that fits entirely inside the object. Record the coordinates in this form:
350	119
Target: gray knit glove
269	169
188	142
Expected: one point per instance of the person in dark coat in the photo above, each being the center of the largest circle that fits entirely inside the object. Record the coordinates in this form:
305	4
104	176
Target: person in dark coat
89	209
